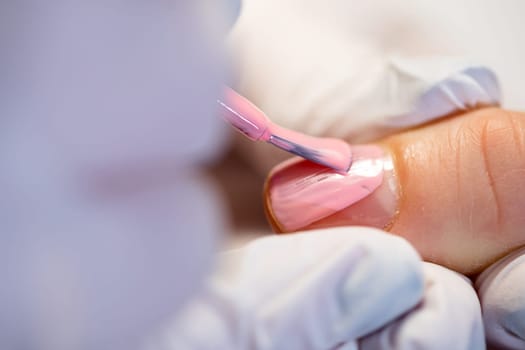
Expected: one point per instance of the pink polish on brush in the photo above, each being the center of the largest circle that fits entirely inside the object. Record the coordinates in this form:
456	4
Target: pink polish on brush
255	125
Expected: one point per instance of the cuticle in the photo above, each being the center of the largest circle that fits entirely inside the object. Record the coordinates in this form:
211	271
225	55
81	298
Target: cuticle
398	190
270	216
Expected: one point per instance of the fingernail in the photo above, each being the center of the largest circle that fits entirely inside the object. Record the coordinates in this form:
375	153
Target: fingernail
300	194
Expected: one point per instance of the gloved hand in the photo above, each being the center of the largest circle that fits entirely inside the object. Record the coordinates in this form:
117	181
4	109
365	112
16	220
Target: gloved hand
501	289
350	69
104	122
363	70
344	288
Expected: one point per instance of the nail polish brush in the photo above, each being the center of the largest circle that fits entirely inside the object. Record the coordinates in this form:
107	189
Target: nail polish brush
254	124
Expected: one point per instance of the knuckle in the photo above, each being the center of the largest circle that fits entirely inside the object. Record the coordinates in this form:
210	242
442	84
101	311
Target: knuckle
495	144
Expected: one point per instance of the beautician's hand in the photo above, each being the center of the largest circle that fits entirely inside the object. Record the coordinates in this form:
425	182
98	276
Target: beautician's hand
354	70
343	288
106	226
349	73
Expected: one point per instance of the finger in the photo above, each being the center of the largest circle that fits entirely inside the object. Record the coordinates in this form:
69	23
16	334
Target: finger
308	291
501	289
449	317
454	189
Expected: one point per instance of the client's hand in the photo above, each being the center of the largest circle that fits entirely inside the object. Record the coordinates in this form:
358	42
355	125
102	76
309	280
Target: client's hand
455	189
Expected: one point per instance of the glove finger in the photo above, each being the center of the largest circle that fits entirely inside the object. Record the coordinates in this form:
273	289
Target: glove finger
356	85
332	290
437	87
501	289
449	317
314	290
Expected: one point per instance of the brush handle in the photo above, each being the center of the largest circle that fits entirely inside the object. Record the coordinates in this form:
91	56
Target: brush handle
244	116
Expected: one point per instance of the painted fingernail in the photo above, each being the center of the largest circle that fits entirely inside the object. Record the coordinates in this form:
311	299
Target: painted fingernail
301	194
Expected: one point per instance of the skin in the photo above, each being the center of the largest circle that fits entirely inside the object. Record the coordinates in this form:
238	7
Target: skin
461	187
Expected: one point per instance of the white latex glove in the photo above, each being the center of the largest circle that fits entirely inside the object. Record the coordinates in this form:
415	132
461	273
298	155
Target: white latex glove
501	289
107	109
359	70
343	288
448	317
350	69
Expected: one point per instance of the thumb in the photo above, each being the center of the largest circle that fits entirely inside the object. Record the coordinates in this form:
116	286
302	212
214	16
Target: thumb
453	189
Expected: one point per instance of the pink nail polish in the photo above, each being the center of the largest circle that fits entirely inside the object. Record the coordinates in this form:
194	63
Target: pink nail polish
301	194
